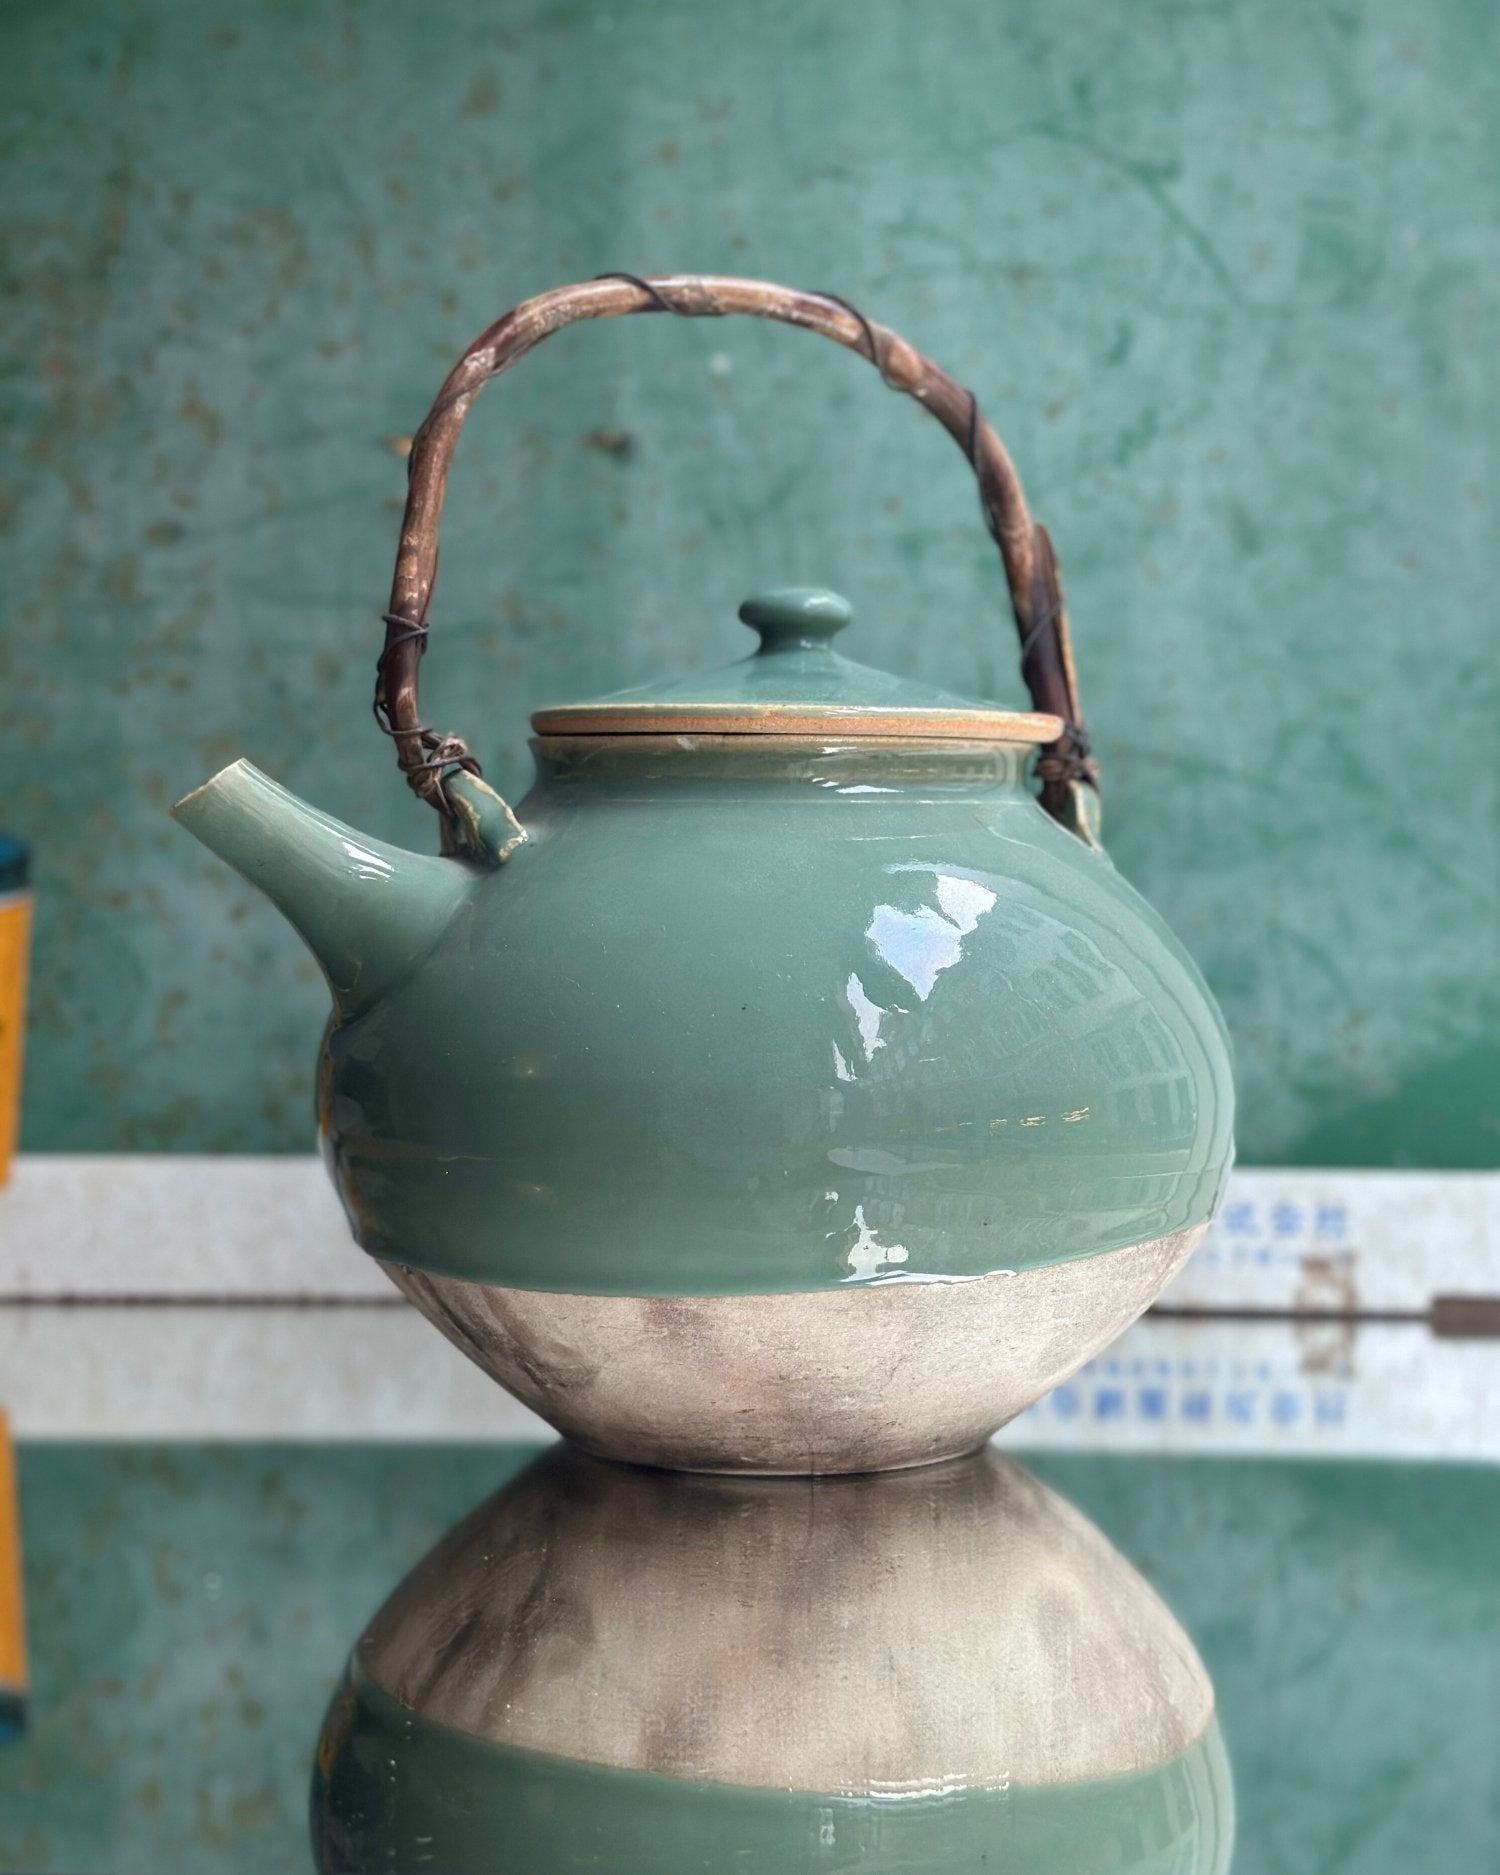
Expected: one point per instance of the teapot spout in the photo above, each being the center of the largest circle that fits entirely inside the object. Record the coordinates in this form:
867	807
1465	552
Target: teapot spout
367	911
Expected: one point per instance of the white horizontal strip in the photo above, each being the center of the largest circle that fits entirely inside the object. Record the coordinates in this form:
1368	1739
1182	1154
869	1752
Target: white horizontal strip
126	1225
328	1372
1346	1242
242	1228
1341	1389
202	1371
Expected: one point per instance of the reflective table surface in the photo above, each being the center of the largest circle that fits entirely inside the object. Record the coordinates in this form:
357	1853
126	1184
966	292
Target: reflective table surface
460	1657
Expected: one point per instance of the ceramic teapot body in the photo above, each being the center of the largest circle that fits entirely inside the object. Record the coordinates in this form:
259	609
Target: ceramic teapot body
798	1094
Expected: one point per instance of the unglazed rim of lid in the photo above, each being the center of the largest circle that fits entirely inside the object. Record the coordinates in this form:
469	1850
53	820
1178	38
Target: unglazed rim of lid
815	725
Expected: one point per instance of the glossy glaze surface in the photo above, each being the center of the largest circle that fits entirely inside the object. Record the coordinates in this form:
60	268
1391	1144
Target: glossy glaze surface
607	1668
402	1795
366	910
753	1016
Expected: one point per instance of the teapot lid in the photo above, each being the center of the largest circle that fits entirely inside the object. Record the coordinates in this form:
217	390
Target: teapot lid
796	684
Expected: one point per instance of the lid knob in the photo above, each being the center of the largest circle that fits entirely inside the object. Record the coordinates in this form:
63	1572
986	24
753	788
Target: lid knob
796	615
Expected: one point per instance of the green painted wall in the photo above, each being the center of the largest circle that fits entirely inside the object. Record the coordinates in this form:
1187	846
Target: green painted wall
1224	274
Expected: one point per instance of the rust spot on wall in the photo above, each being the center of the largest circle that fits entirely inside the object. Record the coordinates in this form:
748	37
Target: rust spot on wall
617	443
1325	1350
483	96
201	417
1327	1285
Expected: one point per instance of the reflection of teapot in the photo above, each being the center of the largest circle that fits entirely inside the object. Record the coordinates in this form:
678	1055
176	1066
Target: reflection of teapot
610	1669
798	1094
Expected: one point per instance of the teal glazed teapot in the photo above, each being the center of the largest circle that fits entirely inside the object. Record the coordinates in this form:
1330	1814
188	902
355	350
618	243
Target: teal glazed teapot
789	1084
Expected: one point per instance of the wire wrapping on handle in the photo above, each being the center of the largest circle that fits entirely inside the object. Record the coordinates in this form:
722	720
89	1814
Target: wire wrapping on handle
442	750
1065	769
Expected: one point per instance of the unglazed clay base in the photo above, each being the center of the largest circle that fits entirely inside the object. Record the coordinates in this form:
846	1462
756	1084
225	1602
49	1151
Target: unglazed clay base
830	1380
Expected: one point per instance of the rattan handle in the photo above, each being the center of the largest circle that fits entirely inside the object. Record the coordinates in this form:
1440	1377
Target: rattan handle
1065	767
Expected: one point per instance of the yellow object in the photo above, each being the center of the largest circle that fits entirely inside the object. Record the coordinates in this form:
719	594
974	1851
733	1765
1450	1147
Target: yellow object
15	944
12	1623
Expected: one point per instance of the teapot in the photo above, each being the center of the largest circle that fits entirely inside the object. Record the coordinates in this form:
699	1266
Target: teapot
608	1667
789	1083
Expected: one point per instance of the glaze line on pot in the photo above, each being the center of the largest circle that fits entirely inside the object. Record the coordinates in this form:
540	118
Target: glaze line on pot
742	1018
863	1379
